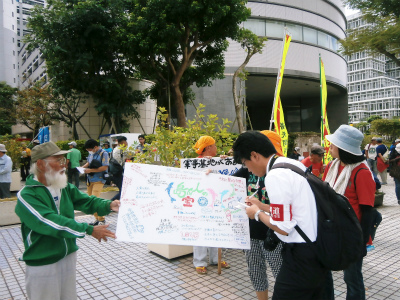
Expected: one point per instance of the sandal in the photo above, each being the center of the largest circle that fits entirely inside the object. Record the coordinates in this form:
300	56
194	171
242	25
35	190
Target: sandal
225	265
201	270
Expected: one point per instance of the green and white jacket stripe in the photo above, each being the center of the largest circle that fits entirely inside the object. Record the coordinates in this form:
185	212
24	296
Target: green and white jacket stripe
49	234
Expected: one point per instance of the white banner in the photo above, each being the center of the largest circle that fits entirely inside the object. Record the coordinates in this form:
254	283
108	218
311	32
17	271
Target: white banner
165	205
224	166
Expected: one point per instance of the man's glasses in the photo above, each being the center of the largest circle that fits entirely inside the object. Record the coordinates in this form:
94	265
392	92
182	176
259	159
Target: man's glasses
62	161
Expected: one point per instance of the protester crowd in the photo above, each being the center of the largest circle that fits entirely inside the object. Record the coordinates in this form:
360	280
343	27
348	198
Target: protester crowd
283	209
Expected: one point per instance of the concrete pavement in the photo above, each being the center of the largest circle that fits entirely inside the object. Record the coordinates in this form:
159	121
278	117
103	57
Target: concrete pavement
116	270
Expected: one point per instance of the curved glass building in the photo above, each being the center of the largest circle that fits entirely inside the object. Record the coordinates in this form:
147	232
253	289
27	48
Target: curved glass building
315	27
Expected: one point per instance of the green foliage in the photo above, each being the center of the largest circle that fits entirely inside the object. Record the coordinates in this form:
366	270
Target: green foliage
387	127
63	145
7	94
373	118
169	146
383	37
167	39
83	49
14	149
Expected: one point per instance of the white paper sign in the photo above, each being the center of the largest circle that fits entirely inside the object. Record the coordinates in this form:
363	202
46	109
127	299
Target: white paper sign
224	166
165	205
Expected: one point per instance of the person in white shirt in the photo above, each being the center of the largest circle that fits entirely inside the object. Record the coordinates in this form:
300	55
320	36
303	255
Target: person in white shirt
5	173
292	203
370	154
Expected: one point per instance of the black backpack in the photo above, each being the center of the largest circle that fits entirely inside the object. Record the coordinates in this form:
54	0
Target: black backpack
114	168
339	235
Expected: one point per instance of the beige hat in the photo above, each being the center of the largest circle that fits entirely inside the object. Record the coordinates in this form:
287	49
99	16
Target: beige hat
3	148
45	150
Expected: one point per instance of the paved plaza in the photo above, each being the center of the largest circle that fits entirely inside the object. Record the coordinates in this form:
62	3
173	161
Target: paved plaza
116	270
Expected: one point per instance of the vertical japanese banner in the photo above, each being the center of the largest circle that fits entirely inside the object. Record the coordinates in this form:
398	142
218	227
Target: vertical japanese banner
324	117
279	119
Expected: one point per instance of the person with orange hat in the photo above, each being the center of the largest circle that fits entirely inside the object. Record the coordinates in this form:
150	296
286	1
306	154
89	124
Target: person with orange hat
257	255
206	148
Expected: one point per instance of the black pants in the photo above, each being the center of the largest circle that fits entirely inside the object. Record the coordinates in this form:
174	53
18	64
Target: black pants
301	276
118	180
73	175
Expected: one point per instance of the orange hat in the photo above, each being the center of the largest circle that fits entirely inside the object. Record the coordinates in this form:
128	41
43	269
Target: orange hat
203	142
275	139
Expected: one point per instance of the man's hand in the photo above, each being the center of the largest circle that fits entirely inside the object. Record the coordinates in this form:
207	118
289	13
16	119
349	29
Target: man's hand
114	206
251	211
101	232
88	171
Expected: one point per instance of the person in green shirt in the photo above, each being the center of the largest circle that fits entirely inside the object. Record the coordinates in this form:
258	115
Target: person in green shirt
73	159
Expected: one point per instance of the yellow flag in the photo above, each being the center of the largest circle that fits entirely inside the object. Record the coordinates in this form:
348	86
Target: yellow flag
279	119
324	118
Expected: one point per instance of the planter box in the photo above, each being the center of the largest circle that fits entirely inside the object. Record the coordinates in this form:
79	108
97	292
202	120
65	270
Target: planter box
170	251
15	181
378	199
7	214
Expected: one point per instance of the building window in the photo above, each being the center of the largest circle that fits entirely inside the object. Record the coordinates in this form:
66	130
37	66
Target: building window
310	35
256	26
275	29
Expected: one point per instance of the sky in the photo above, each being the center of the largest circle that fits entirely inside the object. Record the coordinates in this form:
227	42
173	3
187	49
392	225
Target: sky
349	11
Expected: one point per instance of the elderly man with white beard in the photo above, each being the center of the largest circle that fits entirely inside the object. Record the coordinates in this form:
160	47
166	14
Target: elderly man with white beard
46	208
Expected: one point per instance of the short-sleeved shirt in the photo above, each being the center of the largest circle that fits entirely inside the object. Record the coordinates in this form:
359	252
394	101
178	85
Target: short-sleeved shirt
381	149
74	157
317	169
292	202
363	193
108	150
102	156
371	149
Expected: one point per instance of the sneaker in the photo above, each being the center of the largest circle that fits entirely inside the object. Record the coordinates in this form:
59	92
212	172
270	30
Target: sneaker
101	222
370	248
95	223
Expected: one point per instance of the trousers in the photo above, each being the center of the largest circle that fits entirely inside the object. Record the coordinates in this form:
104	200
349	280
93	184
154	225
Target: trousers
95	188
301	276
200	256
52	282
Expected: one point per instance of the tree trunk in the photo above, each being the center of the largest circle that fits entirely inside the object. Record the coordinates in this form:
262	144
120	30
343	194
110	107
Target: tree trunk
75	131
180	106
237	102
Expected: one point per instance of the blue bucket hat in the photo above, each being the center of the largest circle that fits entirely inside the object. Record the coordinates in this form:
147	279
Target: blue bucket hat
347	138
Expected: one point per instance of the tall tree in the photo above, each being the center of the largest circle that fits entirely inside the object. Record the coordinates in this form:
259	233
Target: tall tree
252	45
32	107
82	48
382	35
176	35
67	111
7	98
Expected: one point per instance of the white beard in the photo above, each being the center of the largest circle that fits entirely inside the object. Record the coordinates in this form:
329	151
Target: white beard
57	180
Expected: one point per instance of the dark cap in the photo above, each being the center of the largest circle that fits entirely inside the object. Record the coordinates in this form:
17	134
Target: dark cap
45	150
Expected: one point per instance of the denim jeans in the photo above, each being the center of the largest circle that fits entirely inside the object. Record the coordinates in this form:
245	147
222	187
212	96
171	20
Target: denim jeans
354	281
372	164
397	188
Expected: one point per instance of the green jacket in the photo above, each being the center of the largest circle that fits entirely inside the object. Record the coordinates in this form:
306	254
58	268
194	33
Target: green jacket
48	234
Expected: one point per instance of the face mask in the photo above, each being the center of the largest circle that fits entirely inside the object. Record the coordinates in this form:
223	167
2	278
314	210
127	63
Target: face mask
90	152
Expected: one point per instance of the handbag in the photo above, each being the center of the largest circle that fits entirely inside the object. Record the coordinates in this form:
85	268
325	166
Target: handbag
381	165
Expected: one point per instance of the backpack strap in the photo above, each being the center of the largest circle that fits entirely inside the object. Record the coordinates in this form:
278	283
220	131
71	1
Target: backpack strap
301	173
355	176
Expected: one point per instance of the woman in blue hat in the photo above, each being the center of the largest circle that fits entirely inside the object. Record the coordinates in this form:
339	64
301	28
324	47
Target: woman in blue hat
348	174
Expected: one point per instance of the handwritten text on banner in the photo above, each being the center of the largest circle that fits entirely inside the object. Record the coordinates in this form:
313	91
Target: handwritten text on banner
166	205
